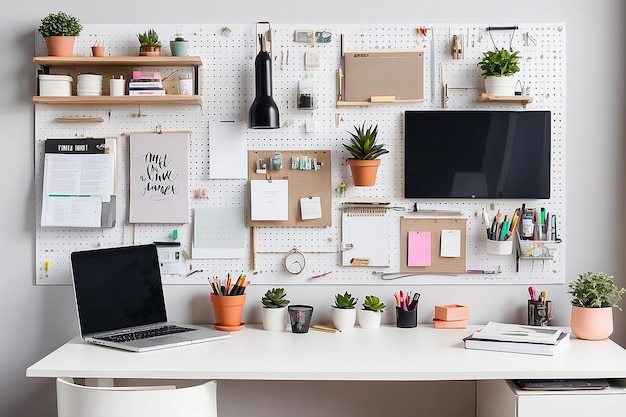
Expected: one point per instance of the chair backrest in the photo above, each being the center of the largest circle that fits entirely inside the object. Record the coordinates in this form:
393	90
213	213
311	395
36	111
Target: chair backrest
74	400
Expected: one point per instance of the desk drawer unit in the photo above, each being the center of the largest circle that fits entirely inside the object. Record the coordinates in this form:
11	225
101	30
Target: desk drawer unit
502	398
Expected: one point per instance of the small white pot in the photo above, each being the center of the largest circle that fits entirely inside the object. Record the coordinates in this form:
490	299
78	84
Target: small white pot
274	319
500	86
369	319
343	318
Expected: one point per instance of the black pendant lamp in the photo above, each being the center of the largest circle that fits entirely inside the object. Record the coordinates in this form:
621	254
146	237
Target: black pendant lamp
263	112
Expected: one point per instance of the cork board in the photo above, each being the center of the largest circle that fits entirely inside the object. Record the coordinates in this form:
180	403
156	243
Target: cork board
398	75
435	226
302	183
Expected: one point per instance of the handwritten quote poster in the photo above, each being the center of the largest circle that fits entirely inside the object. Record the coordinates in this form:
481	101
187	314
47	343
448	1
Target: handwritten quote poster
159	178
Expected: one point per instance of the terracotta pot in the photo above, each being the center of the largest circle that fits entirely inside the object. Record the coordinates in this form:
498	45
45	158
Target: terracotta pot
228	309
592	323
364	171
60	45
97	50
149	50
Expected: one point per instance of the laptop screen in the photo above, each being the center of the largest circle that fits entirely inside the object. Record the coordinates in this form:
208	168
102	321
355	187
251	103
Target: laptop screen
118	288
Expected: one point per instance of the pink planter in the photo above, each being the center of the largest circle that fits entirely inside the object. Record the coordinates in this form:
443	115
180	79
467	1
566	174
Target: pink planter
592	323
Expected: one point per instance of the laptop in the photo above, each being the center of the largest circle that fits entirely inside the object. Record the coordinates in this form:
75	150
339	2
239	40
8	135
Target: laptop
120	302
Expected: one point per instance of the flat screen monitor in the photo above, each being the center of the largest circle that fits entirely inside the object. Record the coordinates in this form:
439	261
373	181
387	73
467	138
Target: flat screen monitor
477	154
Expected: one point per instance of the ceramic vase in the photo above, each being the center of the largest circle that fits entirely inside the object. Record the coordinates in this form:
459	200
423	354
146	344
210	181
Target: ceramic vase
369	319
343	318
500	86
179	48
592	323
274	319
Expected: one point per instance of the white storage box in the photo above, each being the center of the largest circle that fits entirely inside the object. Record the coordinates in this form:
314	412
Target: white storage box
55	85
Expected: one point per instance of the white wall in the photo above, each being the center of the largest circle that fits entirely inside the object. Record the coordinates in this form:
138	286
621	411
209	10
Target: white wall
38	319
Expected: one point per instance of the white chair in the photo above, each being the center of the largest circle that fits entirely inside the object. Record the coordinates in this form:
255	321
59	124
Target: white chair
74	400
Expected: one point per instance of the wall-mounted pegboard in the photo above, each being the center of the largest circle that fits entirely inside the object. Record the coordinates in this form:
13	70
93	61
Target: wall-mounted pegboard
227	90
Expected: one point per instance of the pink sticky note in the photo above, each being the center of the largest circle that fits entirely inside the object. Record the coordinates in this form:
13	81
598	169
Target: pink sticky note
419	249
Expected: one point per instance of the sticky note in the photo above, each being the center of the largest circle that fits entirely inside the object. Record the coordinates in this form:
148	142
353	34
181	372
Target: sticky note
450	243
419	249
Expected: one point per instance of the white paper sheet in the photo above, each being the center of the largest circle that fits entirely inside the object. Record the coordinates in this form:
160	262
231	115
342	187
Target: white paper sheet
310	208
450	243
227	150
219	232
269	200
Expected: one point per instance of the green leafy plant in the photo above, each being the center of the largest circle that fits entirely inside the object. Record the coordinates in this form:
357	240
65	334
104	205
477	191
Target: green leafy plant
275	298
179	39
373	303
60	24
149	39
595	290
346	301
499	63
362	144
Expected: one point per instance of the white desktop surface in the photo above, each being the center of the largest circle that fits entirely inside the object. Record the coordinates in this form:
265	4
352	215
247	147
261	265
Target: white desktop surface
385	354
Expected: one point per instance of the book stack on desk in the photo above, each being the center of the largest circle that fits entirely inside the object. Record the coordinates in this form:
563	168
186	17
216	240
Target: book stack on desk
514	338
146	84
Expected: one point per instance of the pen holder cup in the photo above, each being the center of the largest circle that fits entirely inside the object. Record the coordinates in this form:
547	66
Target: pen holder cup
406	319
300	318
539	312
228	309
500	247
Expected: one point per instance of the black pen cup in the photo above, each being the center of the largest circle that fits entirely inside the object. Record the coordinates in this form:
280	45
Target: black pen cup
300	318
406	318
539	312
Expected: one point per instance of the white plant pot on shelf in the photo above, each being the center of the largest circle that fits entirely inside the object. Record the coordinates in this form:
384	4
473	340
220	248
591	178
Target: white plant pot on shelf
274	319
500	86
343	318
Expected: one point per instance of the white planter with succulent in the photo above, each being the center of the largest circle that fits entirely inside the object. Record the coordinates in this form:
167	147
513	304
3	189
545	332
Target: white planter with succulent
498	68
370	316
274	310
343	312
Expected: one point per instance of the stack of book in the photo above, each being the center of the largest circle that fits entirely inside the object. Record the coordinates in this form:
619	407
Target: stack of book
515	338
146	84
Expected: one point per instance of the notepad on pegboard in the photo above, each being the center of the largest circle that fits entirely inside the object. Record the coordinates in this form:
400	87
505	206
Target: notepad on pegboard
364	236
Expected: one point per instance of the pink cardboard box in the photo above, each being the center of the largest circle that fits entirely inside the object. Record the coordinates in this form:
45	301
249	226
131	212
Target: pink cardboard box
451	312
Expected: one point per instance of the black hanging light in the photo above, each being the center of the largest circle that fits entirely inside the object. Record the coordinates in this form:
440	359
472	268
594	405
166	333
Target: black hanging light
263	111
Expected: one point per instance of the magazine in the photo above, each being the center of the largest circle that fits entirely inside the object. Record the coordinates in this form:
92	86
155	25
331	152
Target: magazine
518	347
518	333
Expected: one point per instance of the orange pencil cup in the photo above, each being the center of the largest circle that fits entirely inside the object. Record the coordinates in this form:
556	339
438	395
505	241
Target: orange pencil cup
228	310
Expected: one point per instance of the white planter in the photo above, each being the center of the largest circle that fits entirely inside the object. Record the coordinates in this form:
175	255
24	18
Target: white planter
500	86
343	318
274	319
369	319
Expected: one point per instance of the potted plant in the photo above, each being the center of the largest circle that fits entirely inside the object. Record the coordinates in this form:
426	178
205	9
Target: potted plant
498	67
149	43
365	151
370	315
344	311
594	294
274	310
97	49
59	31
179	46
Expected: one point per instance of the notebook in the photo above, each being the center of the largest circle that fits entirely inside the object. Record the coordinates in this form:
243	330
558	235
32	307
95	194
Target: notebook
119	292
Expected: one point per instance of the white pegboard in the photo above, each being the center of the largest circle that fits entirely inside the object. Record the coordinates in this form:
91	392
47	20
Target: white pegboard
227	90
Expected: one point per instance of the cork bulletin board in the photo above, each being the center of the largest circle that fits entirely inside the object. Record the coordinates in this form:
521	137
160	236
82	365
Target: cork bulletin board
303	182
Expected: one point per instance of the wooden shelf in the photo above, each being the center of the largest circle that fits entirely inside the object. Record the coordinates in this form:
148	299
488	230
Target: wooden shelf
523	100
166	99
86	61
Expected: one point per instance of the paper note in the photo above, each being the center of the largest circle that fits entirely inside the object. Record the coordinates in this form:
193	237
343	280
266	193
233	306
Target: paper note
227	150
218	232
269	200
450	243
419	249
310	208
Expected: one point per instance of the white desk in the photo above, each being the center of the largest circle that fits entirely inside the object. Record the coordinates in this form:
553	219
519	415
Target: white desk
385	354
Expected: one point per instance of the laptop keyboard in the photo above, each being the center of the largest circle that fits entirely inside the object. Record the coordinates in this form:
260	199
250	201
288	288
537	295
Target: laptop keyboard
145	334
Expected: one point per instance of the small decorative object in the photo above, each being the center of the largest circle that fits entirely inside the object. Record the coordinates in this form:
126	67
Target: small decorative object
344	311
365	152
295	261
370	315
594	294
149	43
179	46
274	312
97	49
498	67
60	31
263	113
341	189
